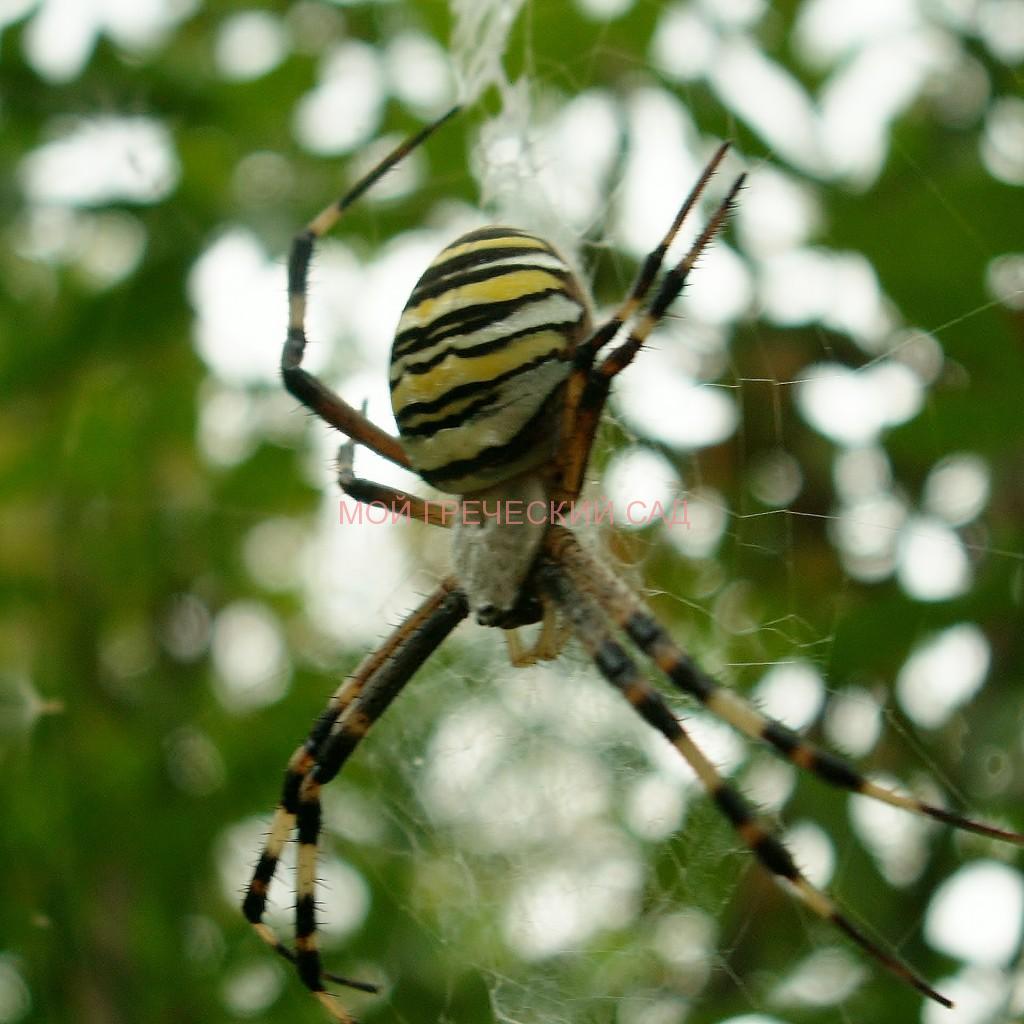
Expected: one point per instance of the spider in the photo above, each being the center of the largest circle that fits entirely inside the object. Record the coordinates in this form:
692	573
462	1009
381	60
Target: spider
498	381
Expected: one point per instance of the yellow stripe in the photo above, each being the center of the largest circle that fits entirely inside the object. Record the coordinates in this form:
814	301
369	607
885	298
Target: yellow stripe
450	409
425	387
305	870
508	284
280	830
813	898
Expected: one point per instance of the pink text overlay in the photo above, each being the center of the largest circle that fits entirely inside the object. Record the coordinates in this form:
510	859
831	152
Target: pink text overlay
478	512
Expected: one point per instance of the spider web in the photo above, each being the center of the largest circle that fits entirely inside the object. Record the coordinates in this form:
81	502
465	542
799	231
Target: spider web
551	860
509	845
592	878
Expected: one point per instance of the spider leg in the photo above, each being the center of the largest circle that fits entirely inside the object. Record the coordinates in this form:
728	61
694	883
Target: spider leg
396	500
586	351
306	757
419	637
630	613
588	386
611	659
671	287
313	393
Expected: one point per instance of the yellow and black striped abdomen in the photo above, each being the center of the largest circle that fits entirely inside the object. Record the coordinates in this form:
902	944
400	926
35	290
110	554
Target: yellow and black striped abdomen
483	344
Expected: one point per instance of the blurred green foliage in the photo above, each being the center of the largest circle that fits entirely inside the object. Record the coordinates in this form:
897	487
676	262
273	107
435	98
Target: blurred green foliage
119	541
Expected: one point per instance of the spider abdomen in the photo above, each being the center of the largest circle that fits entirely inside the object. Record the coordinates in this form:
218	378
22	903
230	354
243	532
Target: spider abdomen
483	344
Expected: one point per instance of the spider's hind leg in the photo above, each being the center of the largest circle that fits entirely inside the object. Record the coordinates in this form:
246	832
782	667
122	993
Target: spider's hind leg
360	701
590	625
395	663
631	614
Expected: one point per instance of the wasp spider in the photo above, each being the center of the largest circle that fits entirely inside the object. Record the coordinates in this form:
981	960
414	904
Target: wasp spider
498	381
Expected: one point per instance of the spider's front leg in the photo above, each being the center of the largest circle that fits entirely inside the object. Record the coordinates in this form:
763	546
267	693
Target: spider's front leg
588	386
309	390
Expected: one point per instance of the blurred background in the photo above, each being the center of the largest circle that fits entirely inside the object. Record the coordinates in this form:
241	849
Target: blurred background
837	397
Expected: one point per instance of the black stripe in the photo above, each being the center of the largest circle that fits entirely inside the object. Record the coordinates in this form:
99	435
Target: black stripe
255	901
465	320
671	285
776	858
309	822
322	727
536	432
290	791
253	906
732	805
471	259
265	868
307	963
342	743
835	770
483	349
618	668
298	261
614	664
824	764
479	318
305	917
462	391
492	231
783	739
688	677
646	632
456	419
657	713
432	288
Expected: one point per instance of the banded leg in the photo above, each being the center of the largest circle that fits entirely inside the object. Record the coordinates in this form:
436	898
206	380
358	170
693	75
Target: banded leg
630	613
588	387
255	901
306	756
368	493
590	625
651	265
434	620
315	395
671	287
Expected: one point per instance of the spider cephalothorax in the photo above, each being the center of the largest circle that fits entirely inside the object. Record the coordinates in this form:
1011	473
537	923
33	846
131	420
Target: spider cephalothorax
498	381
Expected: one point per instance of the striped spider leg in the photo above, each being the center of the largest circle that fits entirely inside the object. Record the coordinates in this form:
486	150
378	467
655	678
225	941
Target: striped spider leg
630	614
349	714
592	627
594	599
310	391
588	386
